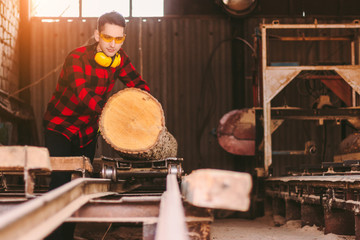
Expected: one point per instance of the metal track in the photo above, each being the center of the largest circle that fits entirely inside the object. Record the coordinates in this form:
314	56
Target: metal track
331	202
98	200
172	223
38	217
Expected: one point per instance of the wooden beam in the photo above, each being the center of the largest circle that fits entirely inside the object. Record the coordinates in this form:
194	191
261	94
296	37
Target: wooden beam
26	159
18	158
71	164
219	189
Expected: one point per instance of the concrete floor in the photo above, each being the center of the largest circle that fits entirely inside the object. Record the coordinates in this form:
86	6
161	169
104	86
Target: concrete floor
263	228
221	229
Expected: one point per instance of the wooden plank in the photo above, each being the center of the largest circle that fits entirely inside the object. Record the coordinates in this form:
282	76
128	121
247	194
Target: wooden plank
219	189
71	164
17	158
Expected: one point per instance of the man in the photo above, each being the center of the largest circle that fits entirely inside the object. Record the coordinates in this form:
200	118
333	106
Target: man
84	85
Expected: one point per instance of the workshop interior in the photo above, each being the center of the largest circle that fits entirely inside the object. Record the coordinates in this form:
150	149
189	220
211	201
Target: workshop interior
257	114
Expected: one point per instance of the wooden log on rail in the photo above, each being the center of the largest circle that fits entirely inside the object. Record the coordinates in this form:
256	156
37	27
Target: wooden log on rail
133	123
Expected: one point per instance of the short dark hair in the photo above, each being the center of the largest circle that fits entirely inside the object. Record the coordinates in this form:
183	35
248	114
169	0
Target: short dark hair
112	18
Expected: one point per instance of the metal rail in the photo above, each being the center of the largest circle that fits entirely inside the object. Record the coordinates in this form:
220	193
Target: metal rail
330	202
38	217
162	217
343	190
171	223
277	25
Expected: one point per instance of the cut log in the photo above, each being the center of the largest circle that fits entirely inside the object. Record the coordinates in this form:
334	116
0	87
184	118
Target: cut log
133	123
218	189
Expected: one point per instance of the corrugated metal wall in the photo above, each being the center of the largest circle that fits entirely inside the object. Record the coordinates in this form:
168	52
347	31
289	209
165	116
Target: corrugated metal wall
172	54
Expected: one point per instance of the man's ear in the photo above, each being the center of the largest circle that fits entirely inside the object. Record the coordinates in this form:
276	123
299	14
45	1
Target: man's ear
97	35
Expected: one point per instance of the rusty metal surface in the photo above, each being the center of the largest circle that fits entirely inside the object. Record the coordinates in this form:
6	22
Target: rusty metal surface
122	169
351	144
334	208
293	210
137	210
339	222
357	226
312	215
236	132
338	179
315	114
338	192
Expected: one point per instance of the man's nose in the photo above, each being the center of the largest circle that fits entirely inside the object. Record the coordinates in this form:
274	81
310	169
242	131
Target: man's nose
112	43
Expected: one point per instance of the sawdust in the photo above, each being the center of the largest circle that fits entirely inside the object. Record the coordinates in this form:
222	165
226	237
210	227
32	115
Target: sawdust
265	229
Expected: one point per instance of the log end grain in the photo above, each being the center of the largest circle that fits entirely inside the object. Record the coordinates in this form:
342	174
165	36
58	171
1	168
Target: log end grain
133	123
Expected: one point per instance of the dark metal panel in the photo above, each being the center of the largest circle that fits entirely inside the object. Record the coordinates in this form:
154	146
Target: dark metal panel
173	55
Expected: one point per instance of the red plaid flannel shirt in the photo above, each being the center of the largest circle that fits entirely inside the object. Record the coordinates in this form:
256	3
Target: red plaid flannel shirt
82	91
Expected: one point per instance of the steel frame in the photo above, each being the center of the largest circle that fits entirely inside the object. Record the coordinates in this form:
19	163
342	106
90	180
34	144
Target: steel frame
36	218
332	202
275	78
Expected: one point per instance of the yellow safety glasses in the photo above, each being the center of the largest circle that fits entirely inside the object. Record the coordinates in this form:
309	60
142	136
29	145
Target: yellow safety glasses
108	38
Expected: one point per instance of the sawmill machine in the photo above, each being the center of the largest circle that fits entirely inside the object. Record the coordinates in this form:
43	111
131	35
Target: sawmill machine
302	133
306	102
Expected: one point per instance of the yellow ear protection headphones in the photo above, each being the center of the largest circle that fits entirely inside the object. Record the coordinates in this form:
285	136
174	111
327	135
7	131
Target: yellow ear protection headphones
103	60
